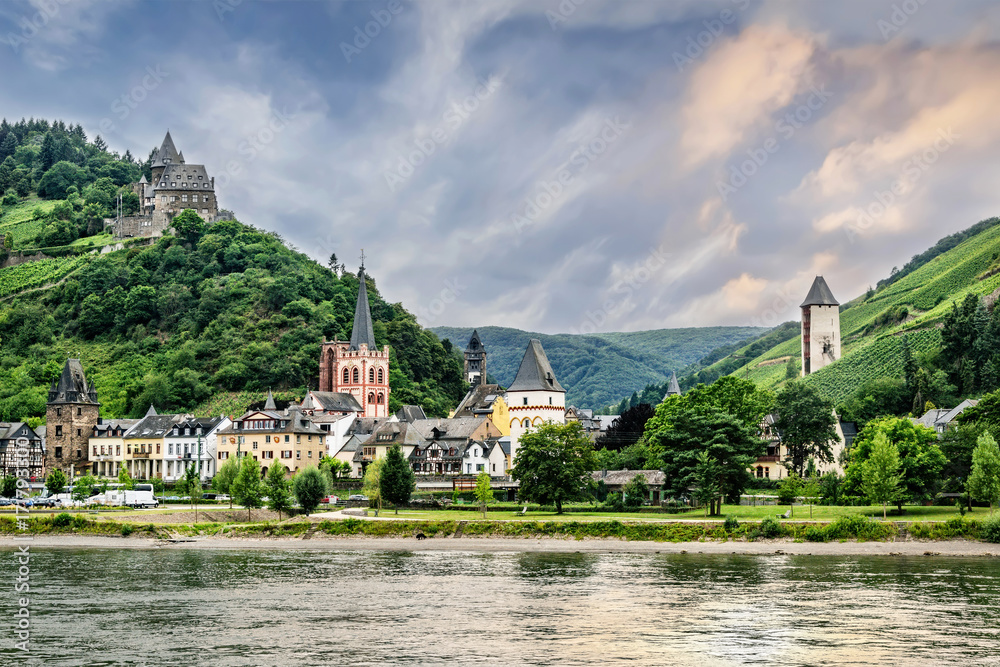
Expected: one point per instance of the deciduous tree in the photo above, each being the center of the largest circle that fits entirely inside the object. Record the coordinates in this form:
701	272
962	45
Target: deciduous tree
807	425
880	478
224	477
396	480
309	487
984	481
276	486
246	488
55	482
484	491
553	464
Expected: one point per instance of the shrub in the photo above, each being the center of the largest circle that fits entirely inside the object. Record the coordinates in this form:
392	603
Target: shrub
127	529
814	534
989	529
62	520
860	527
731	524
769	528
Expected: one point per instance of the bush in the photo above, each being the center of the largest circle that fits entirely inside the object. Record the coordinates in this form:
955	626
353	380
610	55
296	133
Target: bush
769	528
814	534
989	529
127	529
62	520
731	524
860	527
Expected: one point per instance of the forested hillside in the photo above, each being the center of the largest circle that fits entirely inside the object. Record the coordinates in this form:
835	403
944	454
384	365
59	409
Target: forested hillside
596	369
194	323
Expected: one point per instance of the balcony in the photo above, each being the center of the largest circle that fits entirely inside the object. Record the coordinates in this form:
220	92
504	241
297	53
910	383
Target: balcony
141	455
768	459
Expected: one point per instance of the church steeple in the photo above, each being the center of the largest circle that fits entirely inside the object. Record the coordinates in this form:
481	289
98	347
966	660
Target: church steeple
475	360
362	331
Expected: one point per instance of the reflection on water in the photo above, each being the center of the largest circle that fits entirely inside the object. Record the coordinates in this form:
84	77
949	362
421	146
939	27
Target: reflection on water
102	607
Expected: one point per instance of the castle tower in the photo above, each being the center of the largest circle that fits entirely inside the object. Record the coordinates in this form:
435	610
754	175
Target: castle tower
820	328
166	154
70	416
358	367
535	396
475	361
673	387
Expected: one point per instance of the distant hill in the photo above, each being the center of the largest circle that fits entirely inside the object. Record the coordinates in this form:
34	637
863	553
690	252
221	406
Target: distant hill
598	369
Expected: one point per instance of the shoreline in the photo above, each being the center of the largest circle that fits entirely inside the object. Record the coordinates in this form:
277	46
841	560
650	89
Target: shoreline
781	546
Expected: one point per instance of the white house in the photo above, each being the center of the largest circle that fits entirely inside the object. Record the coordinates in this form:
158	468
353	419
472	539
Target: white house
192	441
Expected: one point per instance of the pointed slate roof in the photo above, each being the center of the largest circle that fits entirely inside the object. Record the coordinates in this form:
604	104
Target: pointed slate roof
673	387
143	181
167	150
535	372
269	404
151	412
362	331
819	295
475	345
72	387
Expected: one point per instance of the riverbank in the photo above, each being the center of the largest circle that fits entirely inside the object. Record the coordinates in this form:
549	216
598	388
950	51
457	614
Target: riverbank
781	546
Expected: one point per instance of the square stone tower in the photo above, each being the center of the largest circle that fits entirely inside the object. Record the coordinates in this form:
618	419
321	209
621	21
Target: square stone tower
475	361
820	328
70	416
535	396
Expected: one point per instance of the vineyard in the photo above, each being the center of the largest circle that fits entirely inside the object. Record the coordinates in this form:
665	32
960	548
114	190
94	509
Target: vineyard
24	221
35	274
871	326
235	403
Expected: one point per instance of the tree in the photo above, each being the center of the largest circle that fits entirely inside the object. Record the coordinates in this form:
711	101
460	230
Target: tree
484	491
125	479
309	487
57	180
246	488
706	478
921	460
740	398
192	482
83	488
8	486
372	484
731	443
276	485
224	477
984	482
807	423
880	472
396	480
626	429
553	464
55	482
636	491
188	225
788	491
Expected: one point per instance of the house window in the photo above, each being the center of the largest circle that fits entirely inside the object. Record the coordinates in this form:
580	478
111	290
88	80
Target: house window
357	376
298	453
58	412
381	379
550	400
494	467
79	412
118	450
381	398
286	438
204	211
267	438
78	433
58	452
371	397
255	446
58	430
526	423
157	448
309	454
525	400
347	376
163	198
287	454
479	467
170	449
223	456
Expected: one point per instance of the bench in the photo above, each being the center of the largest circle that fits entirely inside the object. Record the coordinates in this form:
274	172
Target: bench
524	510
785	515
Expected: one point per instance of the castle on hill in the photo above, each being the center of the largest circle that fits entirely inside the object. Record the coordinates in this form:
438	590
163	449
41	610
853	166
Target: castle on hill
175	186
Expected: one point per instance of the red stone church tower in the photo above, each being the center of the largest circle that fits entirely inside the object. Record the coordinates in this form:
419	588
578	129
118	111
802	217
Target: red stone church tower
358	368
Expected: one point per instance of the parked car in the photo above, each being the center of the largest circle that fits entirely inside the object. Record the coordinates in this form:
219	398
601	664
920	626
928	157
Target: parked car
358	496
331	500
46	502
222	497
5	501
208	496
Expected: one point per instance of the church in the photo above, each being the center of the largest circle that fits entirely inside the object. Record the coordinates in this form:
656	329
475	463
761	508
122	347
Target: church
357	367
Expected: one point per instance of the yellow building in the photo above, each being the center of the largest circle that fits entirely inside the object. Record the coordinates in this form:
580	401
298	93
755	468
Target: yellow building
271	437
486	400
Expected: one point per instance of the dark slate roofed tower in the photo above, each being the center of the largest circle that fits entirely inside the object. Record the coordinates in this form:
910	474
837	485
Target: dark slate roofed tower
673	387
70	416
72	387
475	361
535	372
820	327
165	154
362	331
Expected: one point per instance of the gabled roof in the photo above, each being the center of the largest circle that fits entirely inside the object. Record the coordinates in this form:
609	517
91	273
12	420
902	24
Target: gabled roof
479	400
654	478
362	331
819	295
410	413
10	430
179	176
952	415
331	401
154	426
535	372
107	425
460	428
72	387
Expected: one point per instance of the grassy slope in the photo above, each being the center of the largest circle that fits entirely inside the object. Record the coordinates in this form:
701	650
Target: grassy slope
601	368
928	292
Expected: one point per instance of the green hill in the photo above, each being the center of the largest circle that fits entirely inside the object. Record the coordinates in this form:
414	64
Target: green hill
914	303
206	323
597	369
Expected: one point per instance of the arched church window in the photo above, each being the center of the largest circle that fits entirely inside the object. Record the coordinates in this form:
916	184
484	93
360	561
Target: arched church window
381	398
381	378
371	397
357	376
371	375
347	376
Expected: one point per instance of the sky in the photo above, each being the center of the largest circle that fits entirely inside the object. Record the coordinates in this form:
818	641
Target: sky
552	165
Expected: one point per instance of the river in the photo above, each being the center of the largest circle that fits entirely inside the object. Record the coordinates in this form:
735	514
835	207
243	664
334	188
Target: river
272	607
